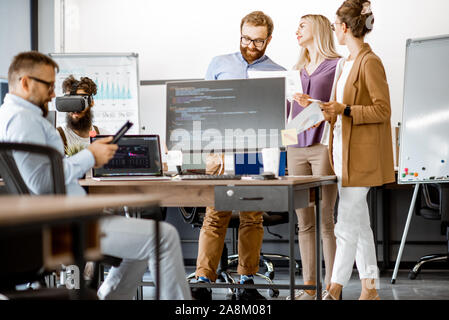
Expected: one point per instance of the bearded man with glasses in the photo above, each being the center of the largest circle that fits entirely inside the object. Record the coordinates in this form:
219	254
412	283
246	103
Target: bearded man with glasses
256	29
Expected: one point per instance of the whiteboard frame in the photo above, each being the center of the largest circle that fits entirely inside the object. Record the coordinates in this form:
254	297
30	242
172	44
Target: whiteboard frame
109	54
401	135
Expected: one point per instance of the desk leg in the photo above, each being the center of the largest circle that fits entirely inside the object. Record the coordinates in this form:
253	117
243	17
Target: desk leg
386	228
78	245
292	219
157	276
318	241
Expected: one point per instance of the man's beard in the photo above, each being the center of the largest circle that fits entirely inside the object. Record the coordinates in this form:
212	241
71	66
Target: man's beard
252	57
80	124
44	108
43	105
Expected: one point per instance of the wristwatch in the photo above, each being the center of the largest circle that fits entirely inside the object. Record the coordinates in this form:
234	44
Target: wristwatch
347	111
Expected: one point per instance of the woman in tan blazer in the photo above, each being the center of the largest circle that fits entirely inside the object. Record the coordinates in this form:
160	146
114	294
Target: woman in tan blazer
360	146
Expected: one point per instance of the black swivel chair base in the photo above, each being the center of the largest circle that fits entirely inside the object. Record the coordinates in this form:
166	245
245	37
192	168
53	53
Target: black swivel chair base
428	258
224	275
433	205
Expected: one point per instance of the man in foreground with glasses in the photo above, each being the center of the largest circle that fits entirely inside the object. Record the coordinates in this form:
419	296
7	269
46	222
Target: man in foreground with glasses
256	29
132	240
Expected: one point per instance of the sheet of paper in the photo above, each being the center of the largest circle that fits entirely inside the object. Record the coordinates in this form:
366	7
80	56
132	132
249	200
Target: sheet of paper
289	137
307	118
292	80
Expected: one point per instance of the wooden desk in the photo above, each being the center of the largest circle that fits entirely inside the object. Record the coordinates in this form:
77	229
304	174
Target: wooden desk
29	210
286	194
71	233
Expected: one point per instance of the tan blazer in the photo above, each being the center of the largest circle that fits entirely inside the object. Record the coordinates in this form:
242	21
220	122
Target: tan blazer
366	133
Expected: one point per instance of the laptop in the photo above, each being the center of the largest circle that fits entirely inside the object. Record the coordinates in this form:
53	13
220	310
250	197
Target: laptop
138	158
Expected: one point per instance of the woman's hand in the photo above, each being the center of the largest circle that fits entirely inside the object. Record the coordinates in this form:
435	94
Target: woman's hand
332	108
302	99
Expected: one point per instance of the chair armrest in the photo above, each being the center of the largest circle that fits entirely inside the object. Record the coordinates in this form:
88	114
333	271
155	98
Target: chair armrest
54	156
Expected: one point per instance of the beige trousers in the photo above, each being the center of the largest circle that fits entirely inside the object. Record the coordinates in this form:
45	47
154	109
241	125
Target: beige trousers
213	233
212	237
314	160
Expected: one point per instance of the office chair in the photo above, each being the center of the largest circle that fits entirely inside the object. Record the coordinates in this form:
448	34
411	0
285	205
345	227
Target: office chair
27	250
433	204
195	216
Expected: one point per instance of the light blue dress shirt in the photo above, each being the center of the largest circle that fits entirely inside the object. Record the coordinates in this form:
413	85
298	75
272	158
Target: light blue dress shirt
23	122
234	66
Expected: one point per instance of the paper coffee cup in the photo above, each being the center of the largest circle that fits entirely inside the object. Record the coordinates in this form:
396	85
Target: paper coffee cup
271	158
174	158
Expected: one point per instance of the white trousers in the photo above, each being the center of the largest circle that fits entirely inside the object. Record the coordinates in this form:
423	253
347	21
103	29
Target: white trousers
355	240
134	241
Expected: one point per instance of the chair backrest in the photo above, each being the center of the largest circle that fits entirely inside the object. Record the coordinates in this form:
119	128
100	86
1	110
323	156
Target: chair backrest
26	247
431	196
12	178
193	215
434	203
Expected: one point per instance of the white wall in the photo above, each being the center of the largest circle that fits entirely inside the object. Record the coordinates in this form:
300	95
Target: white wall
176	39
15	35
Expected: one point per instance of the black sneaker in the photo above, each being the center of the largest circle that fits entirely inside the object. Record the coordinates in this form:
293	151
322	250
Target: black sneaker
201	293
249	294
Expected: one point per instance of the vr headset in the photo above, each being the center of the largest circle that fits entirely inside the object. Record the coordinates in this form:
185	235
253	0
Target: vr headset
73	102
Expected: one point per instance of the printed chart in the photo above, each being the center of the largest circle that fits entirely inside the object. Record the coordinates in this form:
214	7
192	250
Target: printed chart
116	77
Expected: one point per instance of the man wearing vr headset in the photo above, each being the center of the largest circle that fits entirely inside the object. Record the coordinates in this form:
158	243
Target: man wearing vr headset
78	129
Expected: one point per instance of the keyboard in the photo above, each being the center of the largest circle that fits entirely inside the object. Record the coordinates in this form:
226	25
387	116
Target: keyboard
209	177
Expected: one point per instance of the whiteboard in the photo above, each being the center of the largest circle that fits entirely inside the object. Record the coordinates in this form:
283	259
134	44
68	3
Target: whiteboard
424	139
117	79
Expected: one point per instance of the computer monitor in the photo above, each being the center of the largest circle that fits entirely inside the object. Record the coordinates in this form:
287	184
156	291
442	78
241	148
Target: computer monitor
3	89
225	115
51	117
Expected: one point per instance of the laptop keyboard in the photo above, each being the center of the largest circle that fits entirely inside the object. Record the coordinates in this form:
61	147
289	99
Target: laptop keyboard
132	178
209	177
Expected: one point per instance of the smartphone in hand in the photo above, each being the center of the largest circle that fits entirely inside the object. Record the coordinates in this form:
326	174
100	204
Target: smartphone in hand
121	132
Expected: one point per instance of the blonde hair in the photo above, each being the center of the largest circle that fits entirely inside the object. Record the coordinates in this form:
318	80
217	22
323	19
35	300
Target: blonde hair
323	40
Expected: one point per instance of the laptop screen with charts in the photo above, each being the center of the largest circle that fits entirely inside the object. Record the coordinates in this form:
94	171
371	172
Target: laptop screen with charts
138	157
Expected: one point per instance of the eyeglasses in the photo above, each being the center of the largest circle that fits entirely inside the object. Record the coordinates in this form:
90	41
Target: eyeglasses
333	25
258	43
50	85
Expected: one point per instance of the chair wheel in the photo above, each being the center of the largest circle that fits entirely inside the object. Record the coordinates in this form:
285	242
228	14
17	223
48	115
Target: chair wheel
412	275
270	275
274	293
